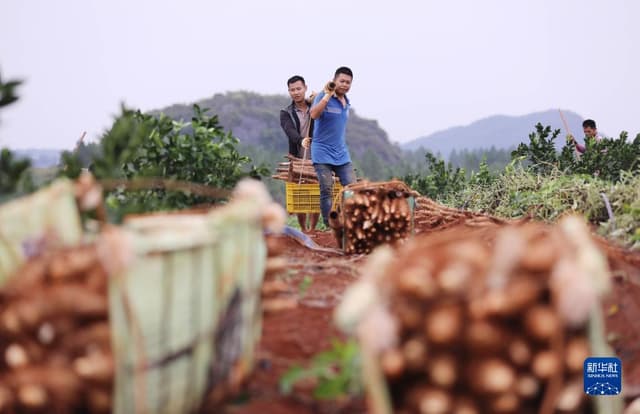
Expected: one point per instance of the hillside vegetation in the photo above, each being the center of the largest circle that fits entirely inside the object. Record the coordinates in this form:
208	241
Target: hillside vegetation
255	120
544	184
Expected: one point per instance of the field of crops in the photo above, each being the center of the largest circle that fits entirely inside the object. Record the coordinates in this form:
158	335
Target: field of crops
413	306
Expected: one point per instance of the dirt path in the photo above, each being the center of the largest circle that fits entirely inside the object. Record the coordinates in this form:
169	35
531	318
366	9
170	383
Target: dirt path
293	336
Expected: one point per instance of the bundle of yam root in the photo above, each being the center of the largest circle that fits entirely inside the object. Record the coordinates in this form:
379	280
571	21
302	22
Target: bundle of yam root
459	322
54	335
369	214
297	170
430	215
276	294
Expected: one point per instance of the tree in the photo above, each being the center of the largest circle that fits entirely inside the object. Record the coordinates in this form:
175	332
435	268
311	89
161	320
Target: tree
372	166
141	145
7	92
540	154
606	158
440	180
14	173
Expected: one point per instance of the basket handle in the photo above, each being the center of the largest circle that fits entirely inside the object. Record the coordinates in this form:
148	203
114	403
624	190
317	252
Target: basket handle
304	157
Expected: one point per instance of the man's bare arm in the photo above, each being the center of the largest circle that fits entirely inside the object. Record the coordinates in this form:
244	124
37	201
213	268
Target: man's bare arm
317	109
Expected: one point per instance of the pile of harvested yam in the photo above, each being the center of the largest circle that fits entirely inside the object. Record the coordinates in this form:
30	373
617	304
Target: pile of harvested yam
54	335
492	320
370	214
297	170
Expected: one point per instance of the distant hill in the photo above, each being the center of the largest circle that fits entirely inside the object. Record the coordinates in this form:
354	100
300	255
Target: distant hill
255	120
499	131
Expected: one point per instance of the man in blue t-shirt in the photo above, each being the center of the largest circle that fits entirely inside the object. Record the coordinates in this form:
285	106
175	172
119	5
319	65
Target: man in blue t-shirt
329	152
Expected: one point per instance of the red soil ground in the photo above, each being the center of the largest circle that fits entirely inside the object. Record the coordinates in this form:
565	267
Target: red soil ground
293	336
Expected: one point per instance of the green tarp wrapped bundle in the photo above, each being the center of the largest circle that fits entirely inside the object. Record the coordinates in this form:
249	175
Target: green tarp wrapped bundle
48	217
185	312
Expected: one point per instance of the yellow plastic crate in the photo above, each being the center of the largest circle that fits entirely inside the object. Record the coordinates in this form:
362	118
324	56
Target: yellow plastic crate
305	198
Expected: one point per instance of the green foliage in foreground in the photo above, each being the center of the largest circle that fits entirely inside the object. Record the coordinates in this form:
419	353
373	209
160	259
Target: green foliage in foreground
335	372
8	92
14	173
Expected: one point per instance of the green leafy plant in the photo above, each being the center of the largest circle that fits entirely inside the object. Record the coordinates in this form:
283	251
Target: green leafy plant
82	156
540	153
14	172
484	176
470	159
518	192
606	158
141	145
8	92
336	372
117	147
440	180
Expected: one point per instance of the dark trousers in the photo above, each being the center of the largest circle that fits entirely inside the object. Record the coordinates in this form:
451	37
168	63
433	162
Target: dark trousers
346	175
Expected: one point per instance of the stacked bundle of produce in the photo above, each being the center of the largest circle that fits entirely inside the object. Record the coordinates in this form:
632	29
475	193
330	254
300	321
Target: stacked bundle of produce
54	335
276	294
60	313
464	322
48	217
430	215
371	214
297	170
186	315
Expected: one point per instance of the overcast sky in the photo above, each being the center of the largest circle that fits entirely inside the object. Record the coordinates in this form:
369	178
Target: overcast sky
419	66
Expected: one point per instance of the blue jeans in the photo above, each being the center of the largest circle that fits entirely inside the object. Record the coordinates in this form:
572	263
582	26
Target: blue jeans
346	175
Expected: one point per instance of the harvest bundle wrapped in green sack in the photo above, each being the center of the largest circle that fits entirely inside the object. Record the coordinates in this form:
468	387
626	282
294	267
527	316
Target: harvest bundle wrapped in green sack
47	217
159	315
